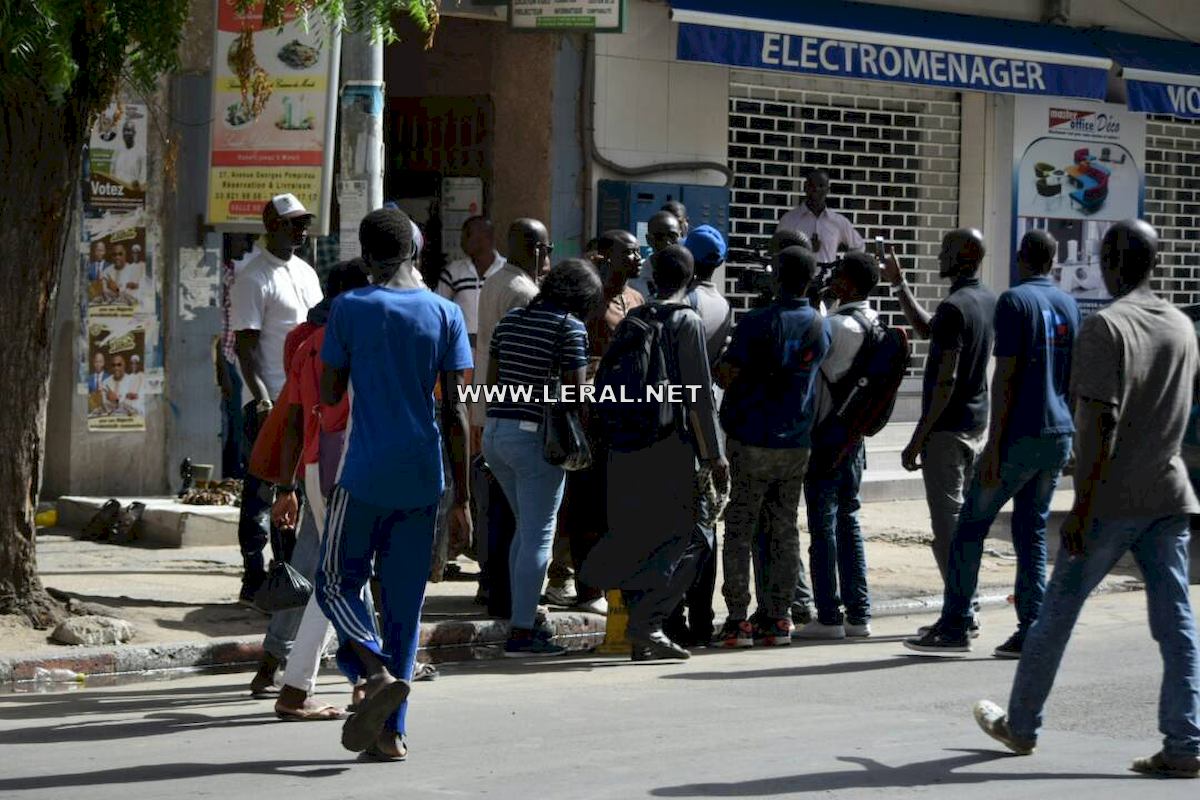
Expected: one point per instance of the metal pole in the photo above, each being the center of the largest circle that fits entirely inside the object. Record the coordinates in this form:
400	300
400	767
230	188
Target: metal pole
360	179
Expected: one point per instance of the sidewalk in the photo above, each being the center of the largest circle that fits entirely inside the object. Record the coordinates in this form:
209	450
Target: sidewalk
181	601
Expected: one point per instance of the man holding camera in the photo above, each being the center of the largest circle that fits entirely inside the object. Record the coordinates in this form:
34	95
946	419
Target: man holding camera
828	231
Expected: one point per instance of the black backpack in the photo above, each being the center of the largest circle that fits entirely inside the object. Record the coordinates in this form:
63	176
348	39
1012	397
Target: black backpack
864	397
638	358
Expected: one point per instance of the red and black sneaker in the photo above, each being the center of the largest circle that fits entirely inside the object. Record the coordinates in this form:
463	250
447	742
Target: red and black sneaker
773	632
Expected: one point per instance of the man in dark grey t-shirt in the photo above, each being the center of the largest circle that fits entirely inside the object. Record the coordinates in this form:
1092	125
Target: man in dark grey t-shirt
1133	378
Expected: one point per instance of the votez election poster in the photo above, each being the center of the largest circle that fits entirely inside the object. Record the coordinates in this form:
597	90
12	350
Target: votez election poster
276	135
1078	167
116	179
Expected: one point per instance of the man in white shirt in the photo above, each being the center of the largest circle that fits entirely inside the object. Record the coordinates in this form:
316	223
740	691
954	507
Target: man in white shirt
828	230
129	165
462	280
831	497
271	295
122	392
124	282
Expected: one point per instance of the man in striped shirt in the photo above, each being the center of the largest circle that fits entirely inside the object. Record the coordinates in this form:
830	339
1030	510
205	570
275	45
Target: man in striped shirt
462	280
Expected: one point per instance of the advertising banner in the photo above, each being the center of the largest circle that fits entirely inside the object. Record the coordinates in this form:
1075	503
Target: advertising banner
1078	167
598	16
116	180
274	137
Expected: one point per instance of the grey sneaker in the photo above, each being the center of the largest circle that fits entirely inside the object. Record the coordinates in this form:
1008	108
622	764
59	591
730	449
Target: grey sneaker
858	630
1161	765
564	595
994	722
816	630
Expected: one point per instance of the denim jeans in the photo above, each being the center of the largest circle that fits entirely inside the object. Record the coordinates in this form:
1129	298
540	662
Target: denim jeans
837	557
534	488
1029	474
254	517
1160	547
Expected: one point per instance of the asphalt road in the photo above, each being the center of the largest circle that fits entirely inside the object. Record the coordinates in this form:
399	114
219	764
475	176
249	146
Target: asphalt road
841	720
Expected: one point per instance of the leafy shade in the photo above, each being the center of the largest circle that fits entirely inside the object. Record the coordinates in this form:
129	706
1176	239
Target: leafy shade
382	19
78	50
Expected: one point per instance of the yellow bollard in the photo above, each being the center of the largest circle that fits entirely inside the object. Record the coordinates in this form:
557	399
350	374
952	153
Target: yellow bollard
46	519
615	642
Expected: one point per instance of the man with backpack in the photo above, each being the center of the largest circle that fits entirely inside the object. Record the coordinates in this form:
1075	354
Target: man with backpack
1028	446
831	486
768	374
660	451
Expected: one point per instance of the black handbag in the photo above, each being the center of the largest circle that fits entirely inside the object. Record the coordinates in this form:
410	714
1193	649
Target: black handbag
284	588
564	442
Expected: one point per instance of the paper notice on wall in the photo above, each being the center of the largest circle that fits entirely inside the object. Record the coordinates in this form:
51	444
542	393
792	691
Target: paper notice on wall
199	282
352	207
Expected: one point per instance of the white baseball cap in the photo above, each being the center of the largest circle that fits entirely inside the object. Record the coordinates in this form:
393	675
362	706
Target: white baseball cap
284	206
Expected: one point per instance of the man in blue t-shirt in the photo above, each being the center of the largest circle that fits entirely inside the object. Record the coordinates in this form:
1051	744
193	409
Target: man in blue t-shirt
387	344
1029	442
768	373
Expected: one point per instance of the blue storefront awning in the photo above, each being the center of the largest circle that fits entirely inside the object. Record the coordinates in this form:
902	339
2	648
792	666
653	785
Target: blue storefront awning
1162	76
841	39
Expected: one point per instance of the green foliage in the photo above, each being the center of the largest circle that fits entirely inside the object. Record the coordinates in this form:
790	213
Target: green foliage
79	50
380	18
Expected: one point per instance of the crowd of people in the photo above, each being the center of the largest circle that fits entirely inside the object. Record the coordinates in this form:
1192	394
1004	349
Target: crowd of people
379	449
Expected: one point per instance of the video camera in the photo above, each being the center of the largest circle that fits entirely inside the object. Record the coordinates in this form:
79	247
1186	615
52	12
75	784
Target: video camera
756	277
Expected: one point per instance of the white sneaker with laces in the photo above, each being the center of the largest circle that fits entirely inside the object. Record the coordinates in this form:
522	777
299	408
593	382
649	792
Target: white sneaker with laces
564	595
815	630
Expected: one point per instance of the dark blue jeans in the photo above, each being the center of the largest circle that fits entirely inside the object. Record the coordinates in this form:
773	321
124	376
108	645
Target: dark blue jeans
1029	472
255	530
836	554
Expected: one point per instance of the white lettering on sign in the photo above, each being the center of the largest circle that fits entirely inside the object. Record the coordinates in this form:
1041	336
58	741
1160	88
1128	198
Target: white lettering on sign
772	44
916	63
1185	99
890	62
827	63
867	58
1035	76
808	53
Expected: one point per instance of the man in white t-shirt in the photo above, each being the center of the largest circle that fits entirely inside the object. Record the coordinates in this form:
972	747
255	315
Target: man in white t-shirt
462	280
121	393
124	282
271	295
829	232
129	164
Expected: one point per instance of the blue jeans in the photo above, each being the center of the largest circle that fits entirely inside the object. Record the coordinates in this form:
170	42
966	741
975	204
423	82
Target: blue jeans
399	542
1160	547
534	489
1029	472
836	553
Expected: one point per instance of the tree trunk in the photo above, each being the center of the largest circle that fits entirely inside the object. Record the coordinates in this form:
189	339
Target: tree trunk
40	150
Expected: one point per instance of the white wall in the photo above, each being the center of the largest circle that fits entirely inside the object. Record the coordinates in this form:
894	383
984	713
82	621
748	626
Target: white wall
650	108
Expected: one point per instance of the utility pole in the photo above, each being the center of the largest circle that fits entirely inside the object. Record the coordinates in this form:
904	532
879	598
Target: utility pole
360	177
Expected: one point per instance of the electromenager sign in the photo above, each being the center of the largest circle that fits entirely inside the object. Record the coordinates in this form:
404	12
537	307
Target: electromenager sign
953	65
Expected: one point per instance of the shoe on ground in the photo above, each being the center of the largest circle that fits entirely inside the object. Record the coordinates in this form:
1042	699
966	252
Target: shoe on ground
1011	647
532	644
972	628
736	633
481	597
858	630
596	606
655	646
1161	765
803	614
936	640
564	595
994	722
818	630
773	632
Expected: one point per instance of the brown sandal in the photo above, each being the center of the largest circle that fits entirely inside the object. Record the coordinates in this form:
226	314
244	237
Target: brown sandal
318	714
375	753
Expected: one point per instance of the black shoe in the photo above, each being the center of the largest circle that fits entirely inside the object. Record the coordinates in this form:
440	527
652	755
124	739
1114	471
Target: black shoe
803	614
656	645
937	640
1012	647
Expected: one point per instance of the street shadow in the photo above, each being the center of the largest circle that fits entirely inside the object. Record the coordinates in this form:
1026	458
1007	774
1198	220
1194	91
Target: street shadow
35	706
800	670
178	771
156	724
874	775
219	619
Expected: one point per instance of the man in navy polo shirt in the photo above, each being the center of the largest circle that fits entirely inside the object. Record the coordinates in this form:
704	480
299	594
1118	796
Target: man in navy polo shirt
768	374
1028	446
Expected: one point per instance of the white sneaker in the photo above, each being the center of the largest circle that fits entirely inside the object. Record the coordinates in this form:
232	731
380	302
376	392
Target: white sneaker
815	630
597	606
564	595
854	631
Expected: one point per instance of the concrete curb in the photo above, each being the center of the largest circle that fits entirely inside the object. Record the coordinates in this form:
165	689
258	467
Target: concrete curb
443	641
